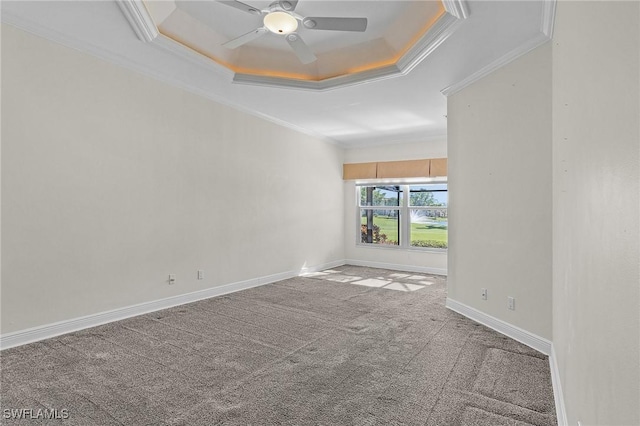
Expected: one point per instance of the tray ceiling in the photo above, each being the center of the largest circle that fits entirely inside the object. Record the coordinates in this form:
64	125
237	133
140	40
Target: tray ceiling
405	102
394	29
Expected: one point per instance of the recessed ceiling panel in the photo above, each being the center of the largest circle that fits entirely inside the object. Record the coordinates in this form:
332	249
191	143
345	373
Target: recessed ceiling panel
238	40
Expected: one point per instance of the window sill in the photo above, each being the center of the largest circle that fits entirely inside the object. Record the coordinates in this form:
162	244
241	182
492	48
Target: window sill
405	249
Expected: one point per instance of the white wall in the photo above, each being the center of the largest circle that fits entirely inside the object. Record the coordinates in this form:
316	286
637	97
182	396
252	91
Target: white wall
436	148
499	134
596	235
112	180
418	260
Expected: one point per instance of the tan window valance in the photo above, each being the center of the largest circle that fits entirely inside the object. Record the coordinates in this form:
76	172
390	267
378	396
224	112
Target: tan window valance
434	167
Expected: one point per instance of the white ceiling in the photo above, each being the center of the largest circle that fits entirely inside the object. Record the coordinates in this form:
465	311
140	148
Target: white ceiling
404	108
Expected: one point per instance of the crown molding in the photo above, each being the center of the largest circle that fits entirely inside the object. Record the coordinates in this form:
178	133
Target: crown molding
198	80
456	11
108	56
457	8
142	24
322	85
169	45
546	33
442	29
524	48
76	44
548	17
139	18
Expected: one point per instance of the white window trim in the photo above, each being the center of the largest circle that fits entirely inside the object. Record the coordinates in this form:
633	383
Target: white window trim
404	209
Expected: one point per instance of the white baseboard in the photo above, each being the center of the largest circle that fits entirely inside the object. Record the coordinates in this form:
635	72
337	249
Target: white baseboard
523	336
536	342
318	268
22	337
397	267
561	412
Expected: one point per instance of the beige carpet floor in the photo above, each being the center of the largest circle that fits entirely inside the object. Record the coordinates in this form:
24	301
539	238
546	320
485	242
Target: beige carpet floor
348	346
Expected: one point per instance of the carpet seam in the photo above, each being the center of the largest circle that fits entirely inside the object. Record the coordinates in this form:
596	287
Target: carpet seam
153	361
260	371
444	385
228	332
481	395
250	324
284	308
100	408
404	367
276	318
133	330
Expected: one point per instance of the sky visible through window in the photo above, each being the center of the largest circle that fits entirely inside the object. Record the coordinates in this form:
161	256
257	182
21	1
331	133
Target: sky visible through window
439	197
390	195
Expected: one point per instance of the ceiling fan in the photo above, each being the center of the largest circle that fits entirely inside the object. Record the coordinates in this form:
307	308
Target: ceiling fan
280	18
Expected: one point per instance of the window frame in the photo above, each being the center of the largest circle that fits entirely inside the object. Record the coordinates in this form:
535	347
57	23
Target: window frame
404	213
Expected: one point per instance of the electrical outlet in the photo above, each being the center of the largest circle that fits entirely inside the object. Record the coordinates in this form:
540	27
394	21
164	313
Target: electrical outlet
483	293
200	274
172	279
511	303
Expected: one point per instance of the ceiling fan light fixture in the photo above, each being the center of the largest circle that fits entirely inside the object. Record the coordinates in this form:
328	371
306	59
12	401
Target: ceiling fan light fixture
280	23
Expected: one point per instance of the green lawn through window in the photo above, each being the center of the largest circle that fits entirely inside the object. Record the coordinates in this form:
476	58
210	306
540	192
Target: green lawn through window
421	233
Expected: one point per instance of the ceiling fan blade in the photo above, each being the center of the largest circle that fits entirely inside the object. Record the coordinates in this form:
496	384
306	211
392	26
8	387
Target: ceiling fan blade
335	24
244	7
245	38
301	49
288	5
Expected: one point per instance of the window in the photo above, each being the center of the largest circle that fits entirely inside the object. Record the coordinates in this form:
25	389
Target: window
380	214
406	216
428	215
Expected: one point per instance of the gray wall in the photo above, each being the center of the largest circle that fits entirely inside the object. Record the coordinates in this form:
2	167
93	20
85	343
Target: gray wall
499	135
596	153
112	180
